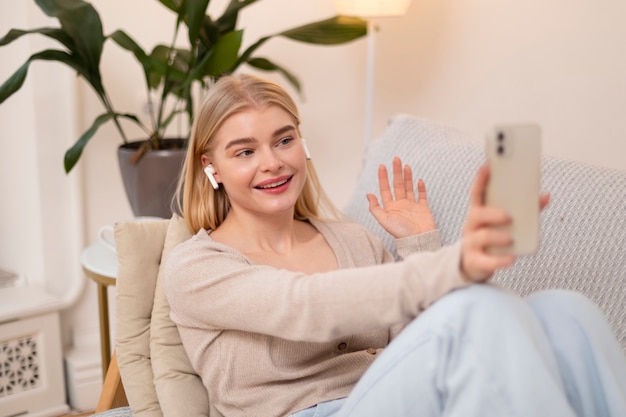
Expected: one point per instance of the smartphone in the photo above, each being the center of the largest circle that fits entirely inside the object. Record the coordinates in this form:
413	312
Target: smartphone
514	158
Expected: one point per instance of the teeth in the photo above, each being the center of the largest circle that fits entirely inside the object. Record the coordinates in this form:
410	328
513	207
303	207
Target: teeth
277	184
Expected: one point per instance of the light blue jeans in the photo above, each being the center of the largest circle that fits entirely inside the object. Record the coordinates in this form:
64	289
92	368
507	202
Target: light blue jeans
483	351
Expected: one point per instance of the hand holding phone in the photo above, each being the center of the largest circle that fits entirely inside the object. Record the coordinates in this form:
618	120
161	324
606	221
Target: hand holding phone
514	158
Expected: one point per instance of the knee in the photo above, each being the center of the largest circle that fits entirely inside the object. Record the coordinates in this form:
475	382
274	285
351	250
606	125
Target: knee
481	297
482	303
483	314
574	304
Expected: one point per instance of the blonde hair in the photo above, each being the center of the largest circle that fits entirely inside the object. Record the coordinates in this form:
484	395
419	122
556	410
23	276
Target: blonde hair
205	208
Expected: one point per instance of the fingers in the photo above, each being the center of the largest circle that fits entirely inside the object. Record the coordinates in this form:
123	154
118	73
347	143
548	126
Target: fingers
402	183
479	266
408	183
484	228
371	198
488	237
477	263
399	183
479	187
421	191
374	207
383	184
485	216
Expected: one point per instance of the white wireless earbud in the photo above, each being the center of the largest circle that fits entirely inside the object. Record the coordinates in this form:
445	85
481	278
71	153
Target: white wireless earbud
306	149
210	173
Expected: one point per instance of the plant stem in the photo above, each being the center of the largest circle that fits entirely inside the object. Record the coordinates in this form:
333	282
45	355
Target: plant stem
107	104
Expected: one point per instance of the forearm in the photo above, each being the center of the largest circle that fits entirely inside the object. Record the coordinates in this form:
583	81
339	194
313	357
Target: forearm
316	307
427	241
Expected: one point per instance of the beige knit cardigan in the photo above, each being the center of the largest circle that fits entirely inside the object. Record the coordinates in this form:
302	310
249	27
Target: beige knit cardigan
269	342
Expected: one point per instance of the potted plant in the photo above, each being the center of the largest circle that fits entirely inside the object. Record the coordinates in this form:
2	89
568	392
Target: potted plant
173	73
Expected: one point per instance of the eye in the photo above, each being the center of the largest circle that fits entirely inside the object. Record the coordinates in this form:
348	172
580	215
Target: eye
244	153
285	141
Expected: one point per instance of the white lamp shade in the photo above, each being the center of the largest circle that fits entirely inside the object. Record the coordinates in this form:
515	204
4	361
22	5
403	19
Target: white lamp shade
372	8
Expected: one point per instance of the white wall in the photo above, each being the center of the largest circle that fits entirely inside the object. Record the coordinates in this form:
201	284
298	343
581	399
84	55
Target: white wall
467	63
475	63
41	215
20	183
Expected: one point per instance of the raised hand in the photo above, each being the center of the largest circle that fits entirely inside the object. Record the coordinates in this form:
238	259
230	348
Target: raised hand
401	213
481	231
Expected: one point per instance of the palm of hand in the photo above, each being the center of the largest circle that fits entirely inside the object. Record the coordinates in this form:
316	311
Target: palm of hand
401	213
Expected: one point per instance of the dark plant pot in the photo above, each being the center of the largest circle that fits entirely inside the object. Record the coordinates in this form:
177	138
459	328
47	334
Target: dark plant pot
150	182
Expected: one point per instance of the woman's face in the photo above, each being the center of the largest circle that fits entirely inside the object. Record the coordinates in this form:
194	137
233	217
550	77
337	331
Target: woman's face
259	160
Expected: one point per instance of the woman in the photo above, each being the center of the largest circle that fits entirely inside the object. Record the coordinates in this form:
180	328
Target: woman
283	311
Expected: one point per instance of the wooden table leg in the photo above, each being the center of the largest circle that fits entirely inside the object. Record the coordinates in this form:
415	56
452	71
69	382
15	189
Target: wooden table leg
105	339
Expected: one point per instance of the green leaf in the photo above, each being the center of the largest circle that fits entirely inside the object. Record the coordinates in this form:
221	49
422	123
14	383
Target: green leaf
158	63
208	36
333	31
222	58
266	65
81	22
245	57
54	33
73	154
12	35
339	29
173	5
126	42
228	21
195	11
15	82
173	63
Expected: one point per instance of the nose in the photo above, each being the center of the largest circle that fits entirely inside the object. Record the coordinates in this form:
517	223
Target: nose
270	161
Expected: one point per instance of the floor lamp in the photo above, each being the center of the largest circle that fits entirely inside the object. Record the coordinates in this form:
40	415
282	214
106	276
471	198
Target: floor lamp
369	10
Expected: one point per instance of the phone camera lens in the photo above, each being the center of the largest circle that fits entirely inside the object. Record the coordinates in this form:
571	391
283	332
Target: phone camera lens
500	150
500	136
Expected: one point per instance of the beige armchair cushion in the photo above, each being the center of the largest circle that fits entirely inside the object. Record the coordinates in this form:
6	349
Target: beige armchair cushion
156	372
139	247
180	390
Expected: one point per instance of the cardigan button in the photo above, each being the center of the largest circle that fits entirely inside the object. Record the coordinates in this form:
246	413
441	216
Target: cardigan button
371	351
342	346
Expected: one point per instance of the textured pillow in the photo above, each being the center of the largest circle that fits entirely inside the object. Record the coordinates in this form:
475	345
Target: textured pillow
139	246
180	390
445	158
583	229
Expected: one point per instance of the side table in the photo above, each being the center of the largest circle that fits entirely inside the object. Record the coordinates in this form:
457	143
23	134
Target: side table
100	264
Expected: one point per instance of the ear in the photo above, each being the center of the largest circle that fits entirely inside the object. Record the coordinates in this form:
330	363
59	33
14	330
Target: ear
214	177
216	174
204	160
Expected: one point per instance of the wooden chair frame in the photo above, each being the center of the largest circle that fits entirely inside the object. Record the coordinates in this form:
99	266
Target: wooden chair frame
113	394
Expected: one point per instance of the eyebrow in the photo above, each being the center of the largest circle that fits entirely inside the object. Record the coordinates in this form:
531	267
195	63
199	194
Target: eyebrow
246	141
241	141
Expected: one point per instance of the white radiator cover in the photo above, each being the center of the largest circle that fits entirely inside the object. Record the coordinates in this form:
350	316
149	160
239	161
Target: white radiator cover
31	367
32	383
83	372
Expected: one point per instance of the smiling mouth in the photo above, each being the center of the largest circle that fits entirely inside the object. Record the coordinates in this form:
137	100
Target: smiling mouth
273	185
